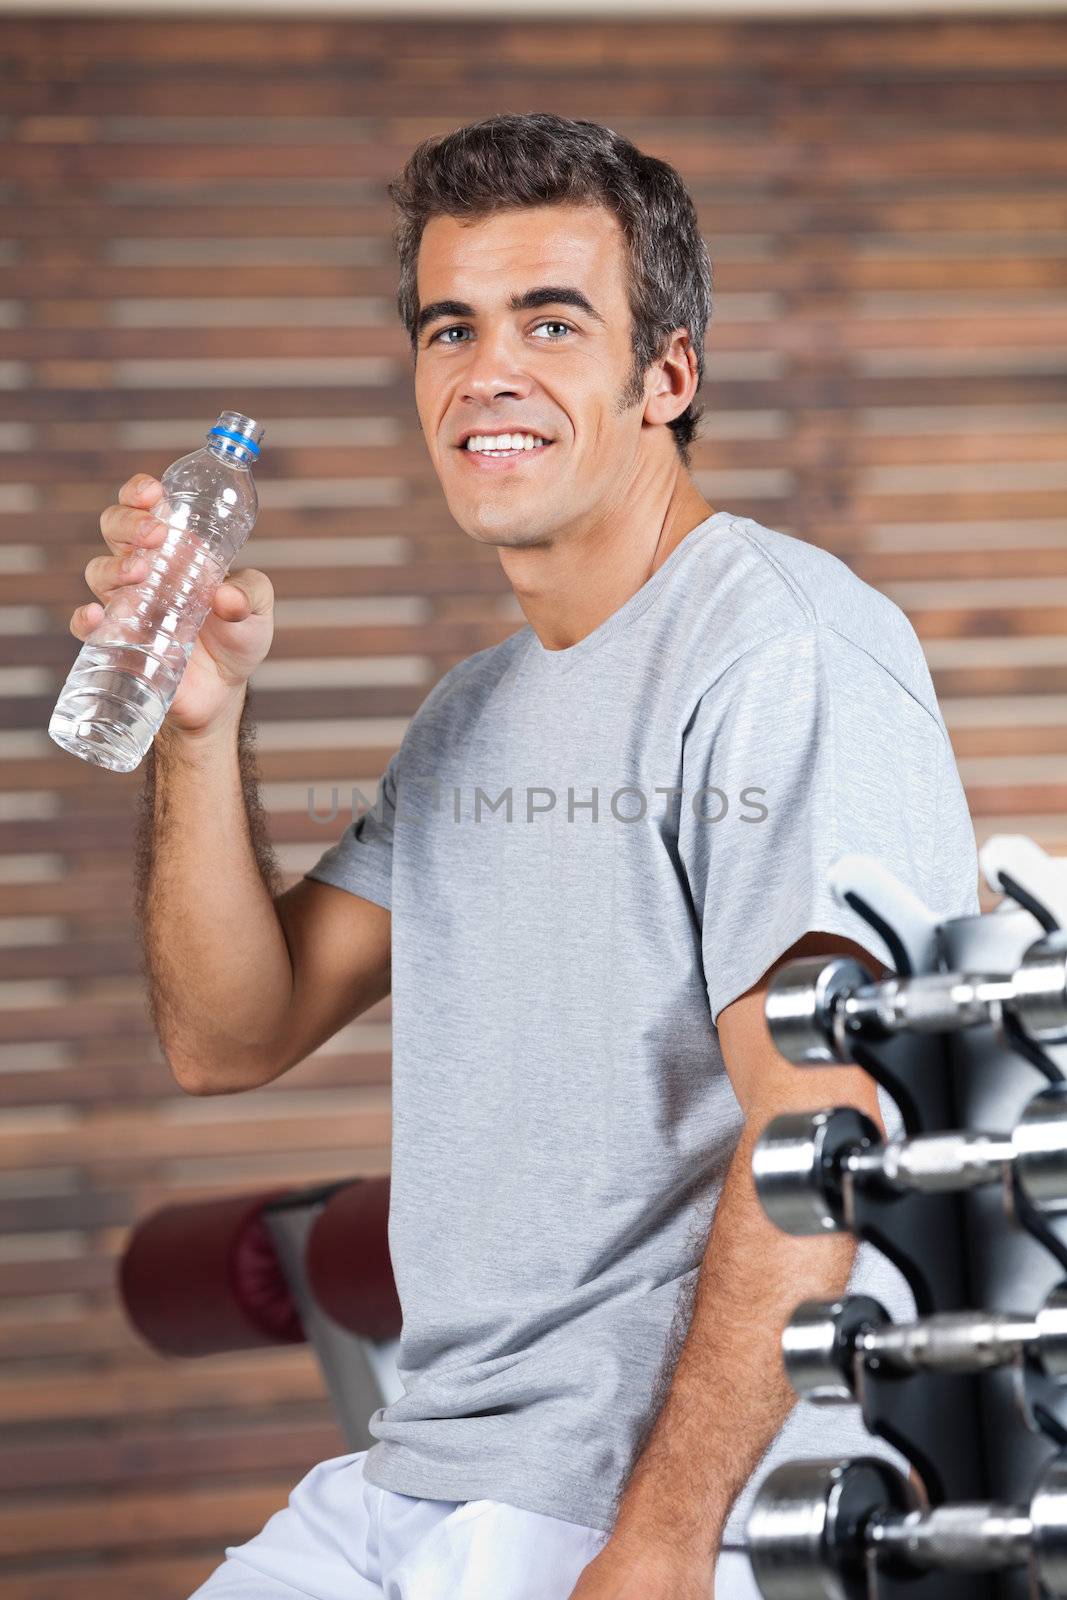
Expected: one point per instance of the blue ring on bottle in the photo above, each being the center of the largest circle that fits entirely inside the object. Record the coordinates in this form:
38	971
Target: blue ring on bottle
240	438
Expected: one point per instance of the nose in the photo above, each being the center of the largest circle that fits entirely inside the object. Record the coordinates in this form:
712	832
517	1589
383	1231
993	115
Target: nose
493	369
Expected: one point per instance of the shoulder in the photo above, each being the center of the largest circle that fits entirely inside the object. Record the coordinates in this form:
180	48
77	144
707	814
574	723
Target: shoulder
813	673
818	588
797	606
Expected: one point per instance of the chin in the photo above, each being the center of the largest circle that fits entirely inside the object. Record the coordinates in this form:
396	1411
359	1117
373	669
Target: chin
498	523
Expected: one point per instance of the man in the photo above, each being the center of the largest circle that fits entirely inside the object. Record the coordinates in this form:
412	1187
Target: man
596	843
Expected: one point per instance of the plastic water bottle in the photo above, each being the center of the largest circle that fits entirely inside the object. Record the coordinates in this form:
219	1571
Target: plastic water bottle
127	673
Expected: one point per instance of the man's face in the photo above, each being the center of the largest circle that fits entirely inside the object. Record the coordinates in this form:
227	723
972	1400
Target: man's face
549	367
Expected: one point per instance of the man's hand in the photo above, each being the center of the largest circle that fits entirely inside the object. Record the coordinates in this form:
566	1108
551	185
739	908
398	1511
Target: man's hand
629	1570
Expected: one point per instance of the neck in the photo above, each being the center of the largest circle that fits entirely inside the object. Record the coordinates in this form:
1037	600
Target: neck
568	587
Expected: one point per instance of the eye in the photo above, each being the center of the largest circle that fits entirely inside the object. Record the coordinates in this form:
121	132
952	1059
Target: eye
462	328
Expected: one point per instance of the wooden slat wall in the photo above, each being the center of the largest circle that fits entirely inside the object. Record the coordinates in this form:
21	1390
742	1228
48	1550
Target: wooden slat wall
196	218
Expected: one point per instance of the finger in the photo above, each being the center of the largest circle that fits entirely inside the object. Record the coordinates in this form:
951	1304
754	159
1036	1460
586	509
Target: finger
125	529
104	575
85	619
231	603
140	491
243	593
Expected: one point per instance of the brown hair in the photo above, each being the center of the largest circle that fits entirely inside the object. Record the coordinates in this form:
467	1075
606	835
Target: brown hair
539	159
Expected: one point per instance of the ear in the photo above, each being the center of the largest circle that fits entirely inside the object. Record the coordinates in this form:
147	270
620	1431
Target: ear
672	380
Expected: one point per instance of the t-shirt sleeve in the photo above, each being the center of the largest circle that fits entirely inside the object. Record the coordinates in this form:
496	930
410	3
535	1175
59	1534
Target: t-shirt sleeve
361	860
806	749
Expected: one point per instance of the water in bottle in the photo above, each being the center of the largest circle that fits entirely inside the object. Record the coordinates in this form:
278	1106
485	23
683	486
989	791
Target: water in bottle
120	687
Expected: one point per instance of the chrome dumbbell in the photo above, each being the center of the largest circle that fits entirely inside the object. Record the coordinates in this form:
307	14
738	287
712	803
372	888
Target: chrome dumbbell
830	1345
817	1010
808	1165
822	1528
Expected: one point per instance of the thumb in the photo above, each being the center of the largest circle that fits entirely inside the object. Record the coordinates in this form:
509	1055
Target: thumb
243	593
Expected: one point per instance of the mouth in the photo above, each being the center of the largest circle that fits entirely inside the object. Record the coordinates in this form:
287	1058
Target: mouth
490	452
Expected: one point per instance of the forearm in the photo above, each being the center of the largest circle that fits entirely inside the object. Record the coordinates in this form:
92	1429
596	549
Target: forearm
216	963
728	1396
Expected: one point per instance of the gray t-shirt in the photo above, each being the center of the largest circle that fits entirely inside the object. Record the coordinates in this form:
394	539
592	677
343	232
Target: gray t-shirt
562	1117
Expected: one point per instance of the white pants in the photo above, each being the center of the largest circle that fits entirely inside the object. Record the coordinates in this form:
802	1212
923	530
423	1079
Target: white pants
342	1538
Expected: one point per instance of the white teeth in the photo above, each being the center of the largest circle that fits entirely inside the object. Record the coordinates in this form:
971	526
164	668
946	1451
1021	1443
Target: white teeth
503	443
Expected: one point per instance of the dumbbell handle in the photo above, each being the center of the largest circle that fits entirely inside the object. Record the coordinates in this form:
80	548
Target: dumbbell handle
933	1162
817	1010
937	1002
812	1168
832	1526
972	1537
950	1341
831	1347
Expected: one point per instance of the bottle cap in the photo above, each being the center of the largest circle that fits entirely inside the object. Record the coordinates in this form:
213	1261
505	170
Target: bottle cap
244	433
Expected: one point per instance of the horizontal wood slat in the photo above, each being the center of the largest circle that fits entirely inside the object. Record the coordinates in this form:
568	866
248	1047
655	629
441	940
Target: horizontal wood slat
198	217
115	1580
88	1523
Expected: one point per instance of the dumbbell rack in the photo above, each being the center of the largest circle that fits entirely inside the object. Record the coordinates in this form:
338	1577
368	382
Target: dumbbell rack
1012	1261
968	1435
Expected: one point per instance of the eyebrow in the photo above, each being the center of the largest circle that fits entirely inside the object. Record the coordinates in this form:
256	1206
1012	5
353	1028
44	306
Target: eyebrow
551	294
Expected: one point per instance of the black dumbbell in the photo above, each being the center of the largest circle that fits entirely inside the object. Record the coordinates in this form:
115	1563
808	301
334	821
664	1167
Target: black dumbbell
817	1009
808	1164
829	1345
822	1528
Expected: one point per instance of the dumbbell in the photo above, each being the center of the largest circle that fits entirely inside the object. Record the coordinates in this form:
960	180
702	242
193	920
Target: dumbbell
807	1165
818	1527
829	1345
818	1009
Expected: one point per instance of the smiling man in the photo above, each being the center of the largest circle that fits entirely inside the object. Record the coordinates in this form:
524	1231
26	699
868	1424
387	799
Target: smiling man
569	467
596	843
